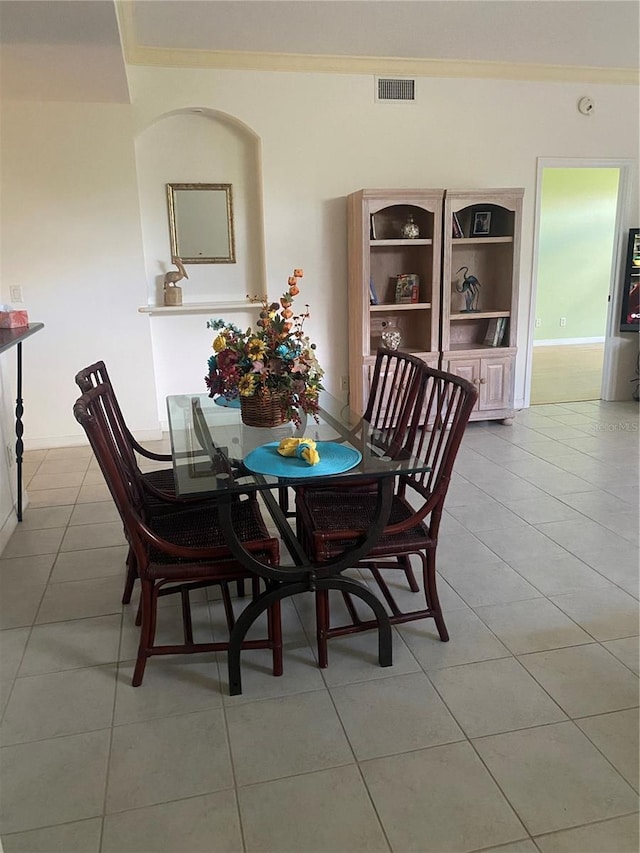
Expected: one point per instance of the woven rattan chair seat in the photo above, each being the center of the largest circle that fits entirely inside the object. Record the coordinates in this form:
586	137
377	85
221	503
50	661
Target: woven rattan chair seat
199	528
327	512
161	479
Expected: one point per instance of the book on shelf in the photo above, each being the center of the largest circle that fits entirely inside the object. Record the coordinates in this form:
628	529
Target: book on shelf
407	288
373	296
496	329
456	227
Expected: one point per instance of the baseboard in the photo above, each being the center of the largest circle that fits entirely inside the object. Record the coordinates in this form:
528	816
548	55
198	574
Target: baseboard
45	442
560	342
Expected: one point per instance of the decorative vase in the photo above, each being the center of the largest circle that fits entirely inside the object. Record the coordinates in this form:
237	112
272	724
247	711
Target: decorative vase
267	409
410	229
391	339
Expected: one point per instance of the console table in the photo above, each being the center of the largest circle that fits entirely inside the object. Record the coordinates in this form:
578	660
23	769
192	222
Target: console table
14	338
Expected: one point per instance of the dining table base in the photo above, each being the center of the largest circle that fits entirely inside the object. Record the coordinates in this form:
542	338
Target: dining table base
280	591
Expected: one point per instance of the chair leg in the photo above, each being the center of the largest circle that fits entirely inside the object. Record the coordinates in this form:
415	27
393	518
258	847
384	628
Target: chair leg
240	588
411	578
149	601
322	625
431	592
274	627
132	574
228	607
187	625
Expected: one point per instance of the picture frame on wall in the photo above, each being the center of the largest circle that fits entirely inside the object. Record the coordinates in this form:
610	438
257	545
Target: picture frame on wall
481	226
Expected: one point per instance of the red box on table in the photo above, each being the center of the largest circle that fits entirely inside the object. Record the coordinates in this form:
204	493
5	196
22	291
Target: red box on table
13	319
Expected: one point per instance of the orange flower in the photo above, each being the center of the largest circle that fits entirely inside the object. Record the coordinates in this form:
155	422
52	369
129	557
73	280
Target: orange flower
298	273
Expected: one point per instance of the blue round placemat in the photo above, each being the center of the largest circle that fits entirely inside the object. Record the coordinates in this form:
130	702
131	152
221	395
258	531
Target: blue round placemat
334	459
227	404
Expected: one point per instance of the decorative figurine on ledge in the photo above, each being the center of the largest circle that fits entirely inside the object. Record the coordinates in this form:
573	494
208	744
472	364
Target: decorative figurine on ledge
471	288
173	293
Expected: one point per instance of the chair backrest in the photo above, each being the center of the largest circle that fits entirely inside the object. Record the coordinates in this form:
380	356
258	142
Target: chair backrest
396	386
435	434
97	374
98	414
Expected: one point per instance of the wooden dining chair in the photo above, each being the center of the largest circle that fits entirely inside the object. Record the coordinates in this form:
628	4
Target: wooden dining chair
328	520
177	551
159	495
395	386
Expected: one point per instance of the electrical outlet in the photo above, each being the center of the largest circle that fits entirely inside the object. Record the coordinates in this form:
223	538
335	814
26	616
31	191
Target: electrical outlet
538	323
15	293
563	321
344	383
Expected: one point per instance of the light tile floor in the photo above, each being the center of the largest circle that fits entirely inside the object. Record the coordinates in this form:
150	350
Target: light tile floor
519	735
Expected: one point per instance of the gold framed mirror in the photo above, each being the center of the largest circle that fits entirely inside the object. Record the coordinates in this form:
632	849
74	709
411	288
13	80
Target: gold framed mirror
201	223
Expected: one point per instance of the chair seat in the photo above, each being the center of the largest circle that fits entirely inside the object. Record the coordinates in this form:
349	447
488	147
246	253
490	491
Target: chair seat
161	479
322	511
199	528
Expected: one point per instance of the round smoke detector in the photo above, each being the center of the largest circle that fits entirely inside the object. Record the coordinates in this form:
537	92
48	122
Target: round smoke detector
585	106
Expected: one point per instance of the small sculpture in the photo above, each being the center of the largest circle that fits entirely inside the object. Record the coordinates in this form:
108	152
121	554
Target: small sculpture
471	288
173	293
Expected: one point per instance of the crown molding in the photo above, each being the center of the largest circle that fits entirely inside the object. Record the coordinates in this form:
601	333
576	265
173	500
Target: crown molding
136	54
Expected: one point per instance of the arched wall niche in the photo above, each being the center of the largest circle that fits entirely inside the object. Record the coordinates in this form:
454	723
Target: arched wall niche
201	145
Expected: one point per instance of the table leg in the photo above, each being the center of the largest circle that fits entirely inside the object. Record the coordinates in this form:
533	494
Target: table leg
284	581
281	591
19	431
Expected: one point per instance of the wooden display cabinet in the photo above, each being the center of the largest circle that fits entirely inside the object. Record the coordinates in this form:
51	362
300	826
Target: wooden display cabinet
379	252
479	342
464	319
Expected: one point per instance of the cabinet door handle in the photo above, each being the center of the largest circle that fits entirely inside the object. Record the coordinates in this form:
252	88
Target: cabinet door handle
483	381
475	380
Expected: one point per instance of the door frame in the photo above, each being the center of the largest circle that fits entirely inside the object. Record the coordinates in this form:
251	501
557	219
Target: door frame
626	167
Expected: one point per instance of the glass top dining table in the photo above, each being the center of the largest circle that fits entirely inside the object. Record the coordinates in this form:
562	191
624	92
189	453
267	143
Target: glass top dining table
216	455
208	435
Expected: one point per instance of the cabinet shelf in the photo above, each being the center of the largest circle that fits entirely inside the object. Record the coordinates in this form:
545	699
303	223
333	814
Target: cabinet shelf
400	242
480	315
404	306
462	241
471	348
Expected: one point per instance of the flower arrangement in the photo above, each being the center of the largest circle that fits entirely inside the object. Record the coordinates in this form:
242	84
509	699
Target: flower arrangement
276	358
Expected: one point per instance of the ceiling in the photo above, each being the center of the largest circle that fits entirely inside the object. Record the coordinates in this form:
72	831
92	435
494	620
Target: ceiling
71	49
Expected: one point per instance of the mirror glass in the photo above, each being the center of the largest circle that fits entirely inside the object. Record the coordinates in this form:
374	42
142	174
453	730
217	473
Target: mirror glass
201	223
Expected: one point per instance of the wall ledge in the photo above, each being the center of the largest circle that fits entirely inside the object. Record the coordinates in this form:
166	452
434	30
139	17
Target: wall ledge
198	307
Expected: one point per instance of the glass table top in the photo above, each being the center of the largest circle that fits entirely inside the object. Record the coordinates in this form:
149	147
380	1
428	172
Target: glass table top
210	444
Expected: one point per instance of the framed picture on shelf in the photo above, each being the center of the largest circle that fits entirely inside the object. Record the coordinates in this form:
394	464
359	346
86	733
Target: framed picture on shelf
407	289
481	223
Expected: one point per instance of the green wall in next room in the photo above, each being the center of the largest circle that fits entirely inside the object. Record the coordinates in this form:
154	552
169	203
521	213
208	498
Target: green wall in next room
577	229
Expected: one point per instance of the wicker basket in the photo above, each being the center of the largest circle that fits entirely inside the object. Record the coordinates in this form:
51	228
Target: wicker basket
263	410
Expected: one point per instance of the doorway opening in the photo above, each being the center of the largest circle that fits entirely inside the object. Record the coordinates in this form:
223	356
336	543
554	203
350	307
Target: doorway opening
576	250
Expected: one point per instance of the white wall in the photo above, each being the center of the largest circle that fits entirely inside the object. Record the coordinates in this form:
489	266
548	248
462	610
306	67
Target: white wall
71	223
71	239
323	136
8	520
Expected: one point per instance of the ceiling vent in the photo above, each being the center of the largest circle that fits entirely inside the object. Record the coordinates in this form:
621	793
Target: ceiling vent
401	89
